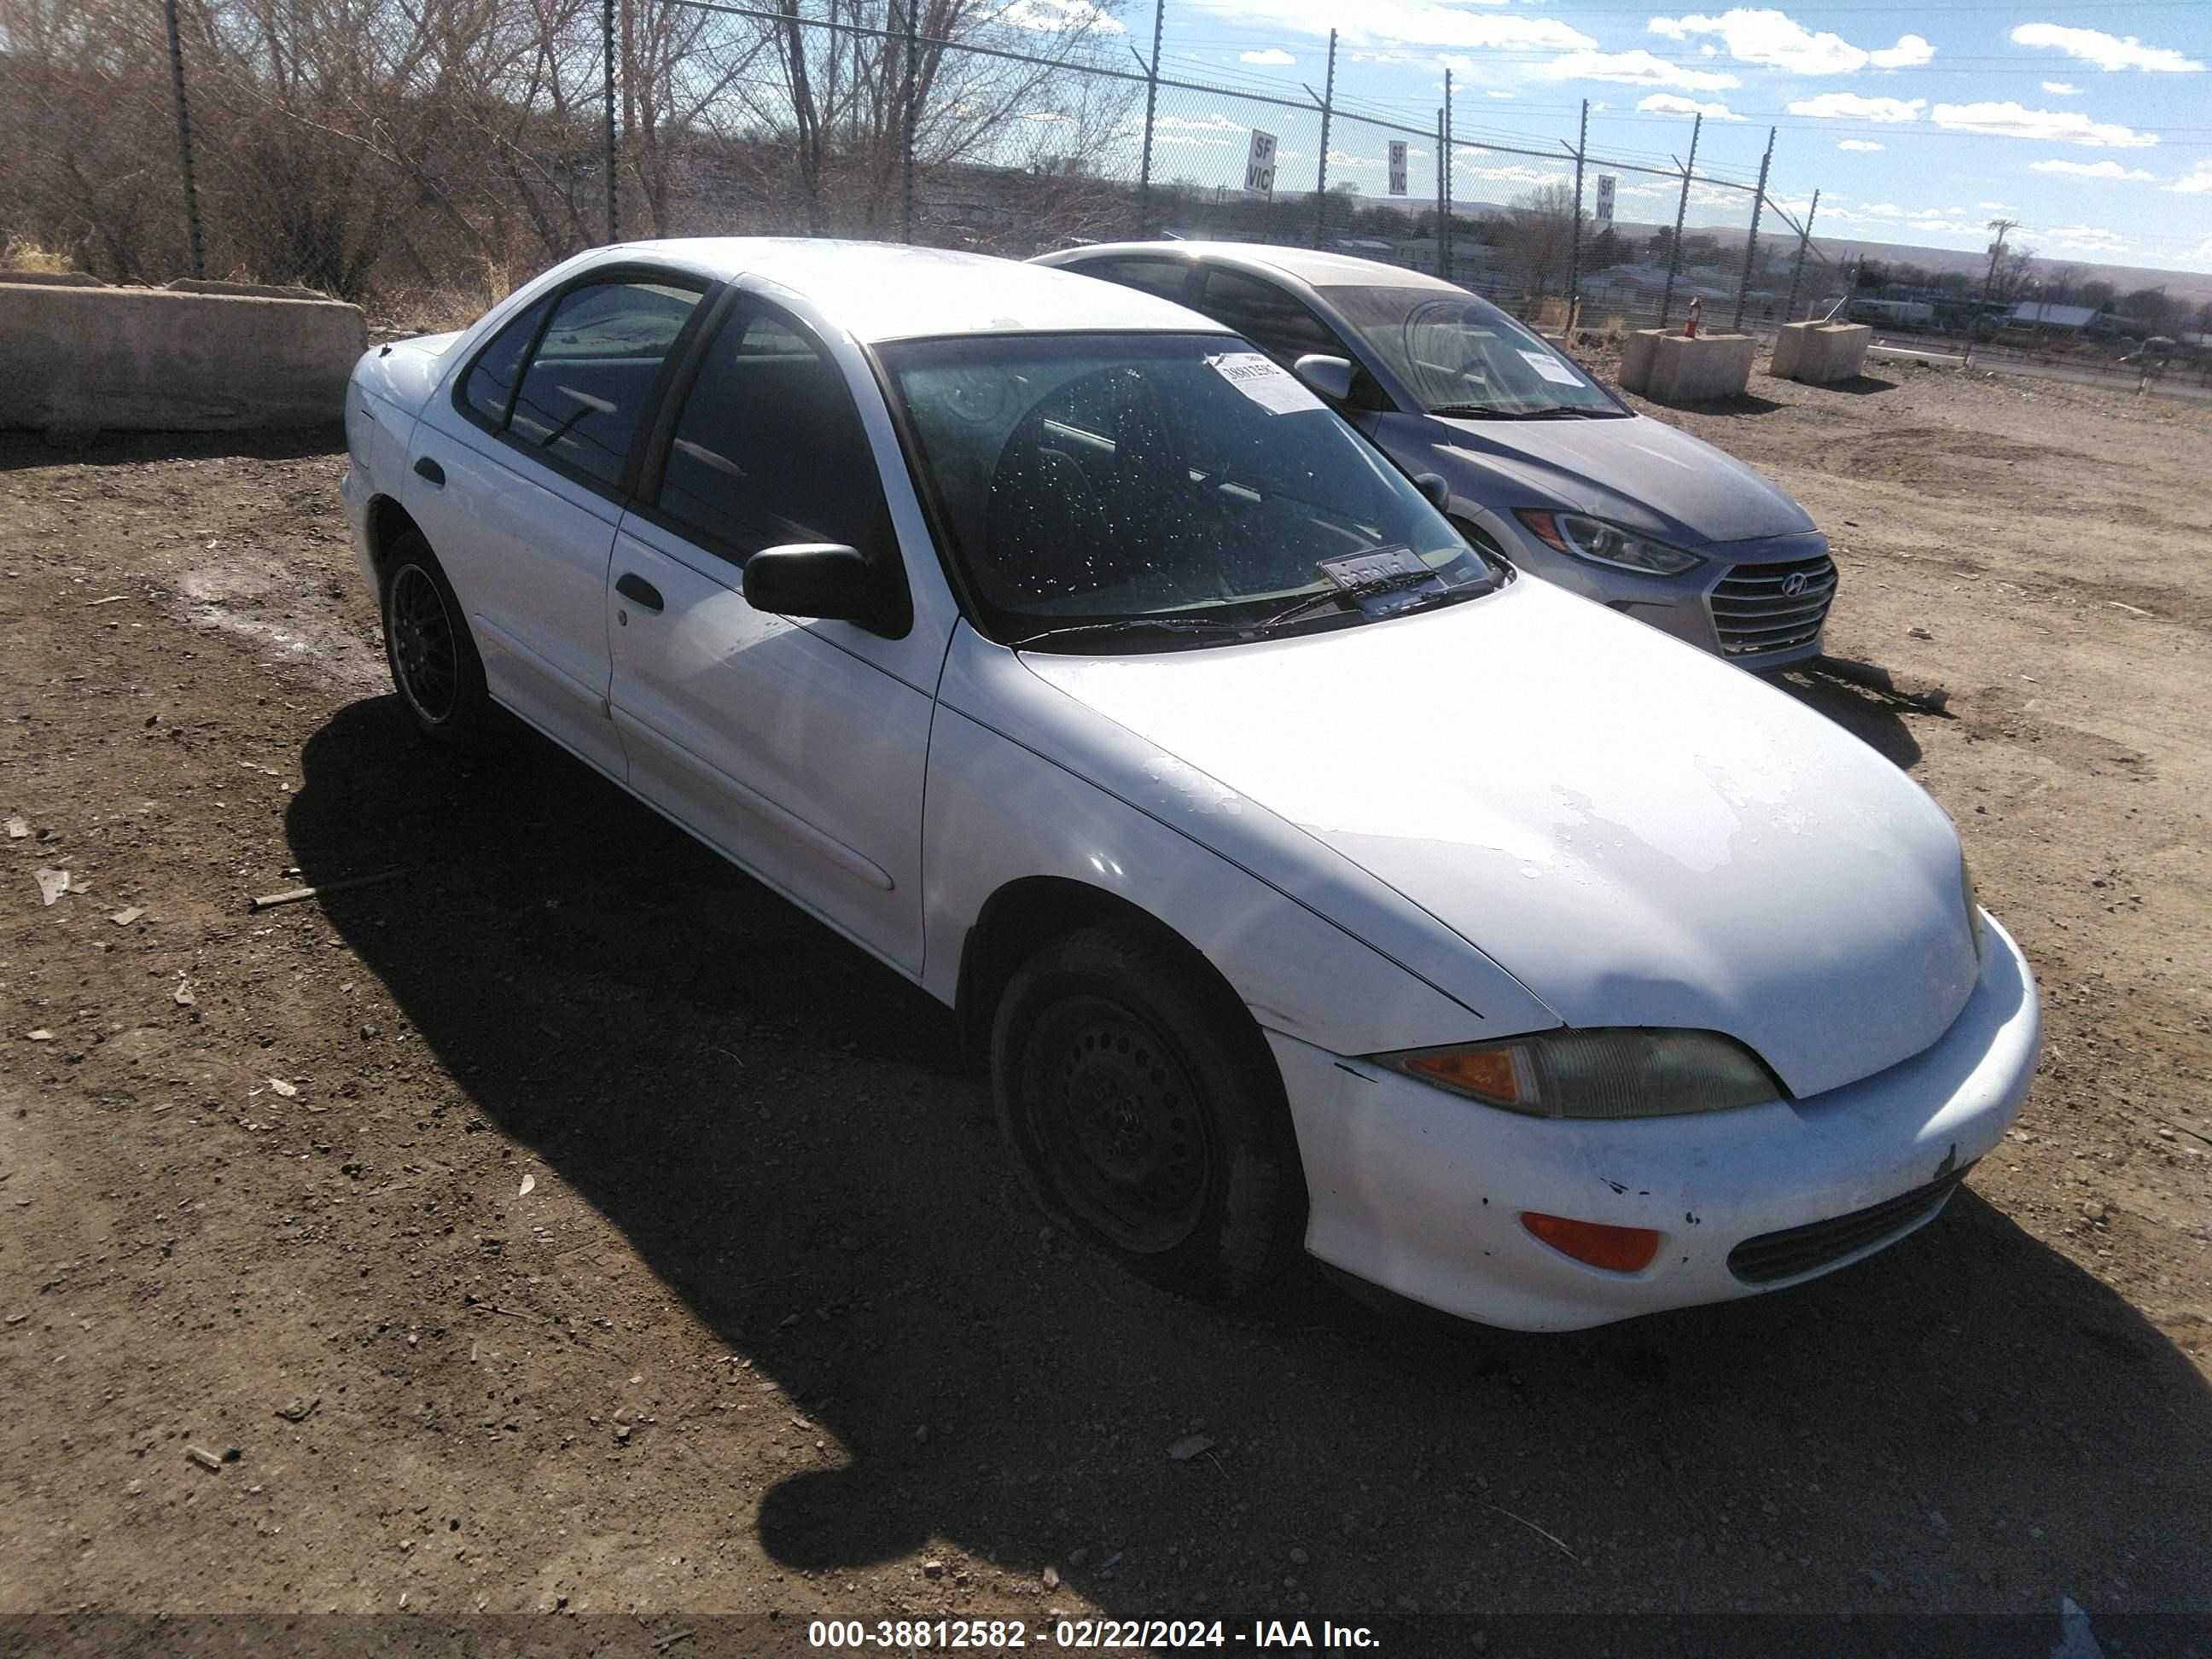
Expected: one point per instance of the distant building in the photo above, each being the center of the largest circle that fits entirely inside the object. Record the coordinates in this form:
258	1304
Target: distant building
2049	319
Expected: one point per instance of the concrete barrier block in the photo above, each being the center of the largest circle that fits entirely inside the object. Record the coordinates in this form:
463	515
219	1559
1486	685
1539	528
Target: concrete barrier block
1820	353
134	359
1637	353
1688	371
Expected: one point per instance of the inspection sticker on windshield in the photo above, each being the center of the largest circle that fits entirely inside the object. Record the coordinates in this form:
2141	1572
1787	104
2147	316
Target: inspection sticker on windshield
1552	368
1262	381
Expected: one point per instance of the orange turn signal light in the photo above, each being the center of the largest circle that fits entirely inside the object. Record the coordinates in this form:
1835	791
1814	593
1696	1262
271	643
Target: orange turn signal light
1489	1073
1617	1249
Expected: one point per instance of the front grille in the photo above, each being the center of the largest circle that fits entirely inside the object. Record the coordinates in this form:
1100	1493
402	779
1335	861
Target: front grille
1755	616
1795	1251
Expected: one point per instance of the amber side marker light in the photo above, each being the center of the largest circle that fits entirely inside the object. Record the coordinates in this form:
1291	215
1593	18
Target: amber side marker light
1617	1249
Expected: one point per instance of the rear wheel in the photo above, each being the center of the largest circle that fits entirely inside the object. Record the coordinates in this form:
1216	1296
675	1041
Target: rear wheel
1146	1114
434	666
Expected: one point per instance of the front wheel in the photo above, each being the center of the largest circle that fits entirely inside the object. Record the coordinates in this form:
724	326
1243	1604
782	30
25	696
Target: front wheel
434	666
1146	1114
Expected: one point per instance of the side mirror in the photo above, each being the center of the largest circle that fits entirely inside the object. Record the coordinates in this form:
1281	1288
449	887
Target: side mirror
1329	378
827	581
1436	487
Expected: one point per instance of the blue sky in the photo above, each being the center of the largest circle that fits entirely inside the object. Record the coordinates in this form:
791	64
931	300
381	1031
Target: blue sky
2090	123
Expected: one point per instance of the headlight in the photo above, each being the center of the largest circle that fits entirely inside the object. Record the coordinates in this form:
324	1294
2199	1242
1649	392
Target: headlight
1623	1073
1605	544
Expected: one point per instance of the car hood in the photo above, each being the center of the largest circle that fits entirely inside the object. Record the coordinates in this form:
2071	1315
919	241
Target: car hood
1641	835
1634	471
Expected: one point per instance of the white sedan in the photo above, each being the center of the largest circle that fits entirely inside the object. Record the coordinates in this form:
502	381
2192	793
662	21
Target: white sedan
1309	878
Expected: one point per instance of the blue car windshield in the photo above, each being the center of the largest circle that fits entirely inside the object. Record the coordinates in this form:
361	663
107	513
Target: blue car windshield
1166	490
1459	355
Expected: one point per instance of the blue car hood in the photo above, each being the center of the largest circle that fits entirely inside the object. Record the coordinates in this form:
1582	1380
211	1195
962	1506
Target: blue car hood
1633	470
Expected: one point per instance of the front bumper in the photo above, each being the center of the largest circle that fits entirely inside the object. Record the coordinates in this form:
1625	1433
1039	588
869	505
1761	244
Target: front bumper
1421	1192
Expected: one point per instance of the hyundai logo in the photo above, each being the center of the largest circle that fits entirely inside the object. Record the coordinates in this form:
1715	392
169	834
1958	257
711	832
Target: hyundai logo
1794	584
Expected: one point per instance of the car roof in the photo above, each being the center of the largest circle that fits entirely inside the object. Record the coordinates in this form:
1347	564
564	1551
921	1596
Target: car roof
887	291
1318	267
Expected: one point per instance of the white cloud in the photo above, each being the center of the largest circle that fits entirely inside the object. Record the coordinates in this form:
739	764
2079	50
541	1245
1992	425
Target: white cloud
1062	17
1407	23
1774	40
2089	238
2202	250
2009	120
1274	57
1851	106
2106	52
2092	170
1494	92
1995	207
2062	89
1862	144
2198	183
1635	68
1668	103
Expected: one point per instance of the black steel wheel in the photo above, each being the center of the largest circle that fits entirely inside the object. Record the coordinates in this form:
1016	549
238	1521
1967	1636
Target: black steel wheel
1145	1112
434	666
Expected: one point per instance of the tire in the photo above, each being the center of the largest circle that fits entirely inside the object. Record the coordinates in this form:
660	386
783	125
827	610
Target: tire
1146	1114
434	661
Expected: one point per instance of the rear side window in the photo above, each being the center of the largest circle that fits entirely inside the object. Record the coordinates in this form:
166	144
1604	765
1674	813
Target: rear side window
489	388
586	386
1281	325
1164	277
769	448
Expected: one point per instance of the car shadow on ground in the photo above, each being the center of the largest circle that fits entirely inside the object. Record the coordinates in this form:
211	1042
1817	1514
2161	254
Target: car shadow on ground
1866	702
780	1128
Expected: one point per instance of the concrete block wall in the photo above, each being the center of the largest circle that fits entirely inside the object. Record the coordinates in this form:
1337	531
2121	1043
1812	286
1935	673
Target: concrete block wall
1670	369
78	357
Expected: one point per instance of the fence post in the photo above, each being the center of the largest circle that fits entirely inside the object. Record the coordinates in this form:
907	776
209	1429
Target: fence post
614	211
1750	246
185	140
1444	162
912	49
1152	102
1440	193
1575	239
1321	179
1797	271
1681	208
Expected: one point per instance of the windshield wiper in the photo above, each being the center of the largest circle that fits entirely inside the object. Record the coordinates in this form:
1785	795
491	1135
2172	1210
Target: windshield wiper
1554	412
1111	625
1397	583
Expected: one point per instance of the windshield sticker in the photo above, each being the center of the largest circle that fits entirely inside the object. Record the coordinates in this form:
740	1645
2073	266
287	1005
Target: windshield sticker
1552	368
1263	382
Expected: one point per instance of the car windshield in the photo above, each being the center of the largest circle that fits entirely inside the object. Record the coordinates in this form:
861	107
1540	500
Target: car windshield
1459	355
1156	492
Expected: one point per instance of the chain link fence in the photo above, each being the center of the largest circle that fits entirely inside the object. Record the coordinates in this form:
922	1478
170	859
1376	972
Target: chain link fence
366	147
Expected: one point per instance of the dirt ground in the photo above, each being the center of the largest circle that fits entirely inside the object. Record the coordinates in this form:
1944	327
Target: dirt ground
572	1225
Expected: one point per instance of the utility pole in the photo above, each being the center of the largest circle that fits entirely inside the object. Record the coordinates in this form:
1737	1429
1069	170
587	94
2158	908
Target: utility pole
1151	103
1681	208
1441	255
1321	181
2003	229
906	123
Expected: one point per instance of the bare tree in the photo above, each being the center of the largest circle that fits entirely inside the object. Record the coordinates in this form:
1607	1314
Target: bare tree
1538	238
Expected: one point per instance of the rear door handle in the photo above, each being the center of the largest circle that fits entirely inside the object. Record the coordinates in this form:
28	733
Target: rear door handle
638	591
428	469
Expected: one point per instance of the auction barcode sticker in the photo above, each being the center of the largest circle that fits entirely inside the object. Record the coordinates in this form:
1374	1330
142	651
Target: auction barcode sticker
1263	382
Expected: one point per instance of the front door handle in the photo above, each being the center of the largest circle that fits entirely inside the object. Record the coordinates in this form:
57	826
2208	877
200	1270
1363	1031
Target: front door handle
638	591
430	470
